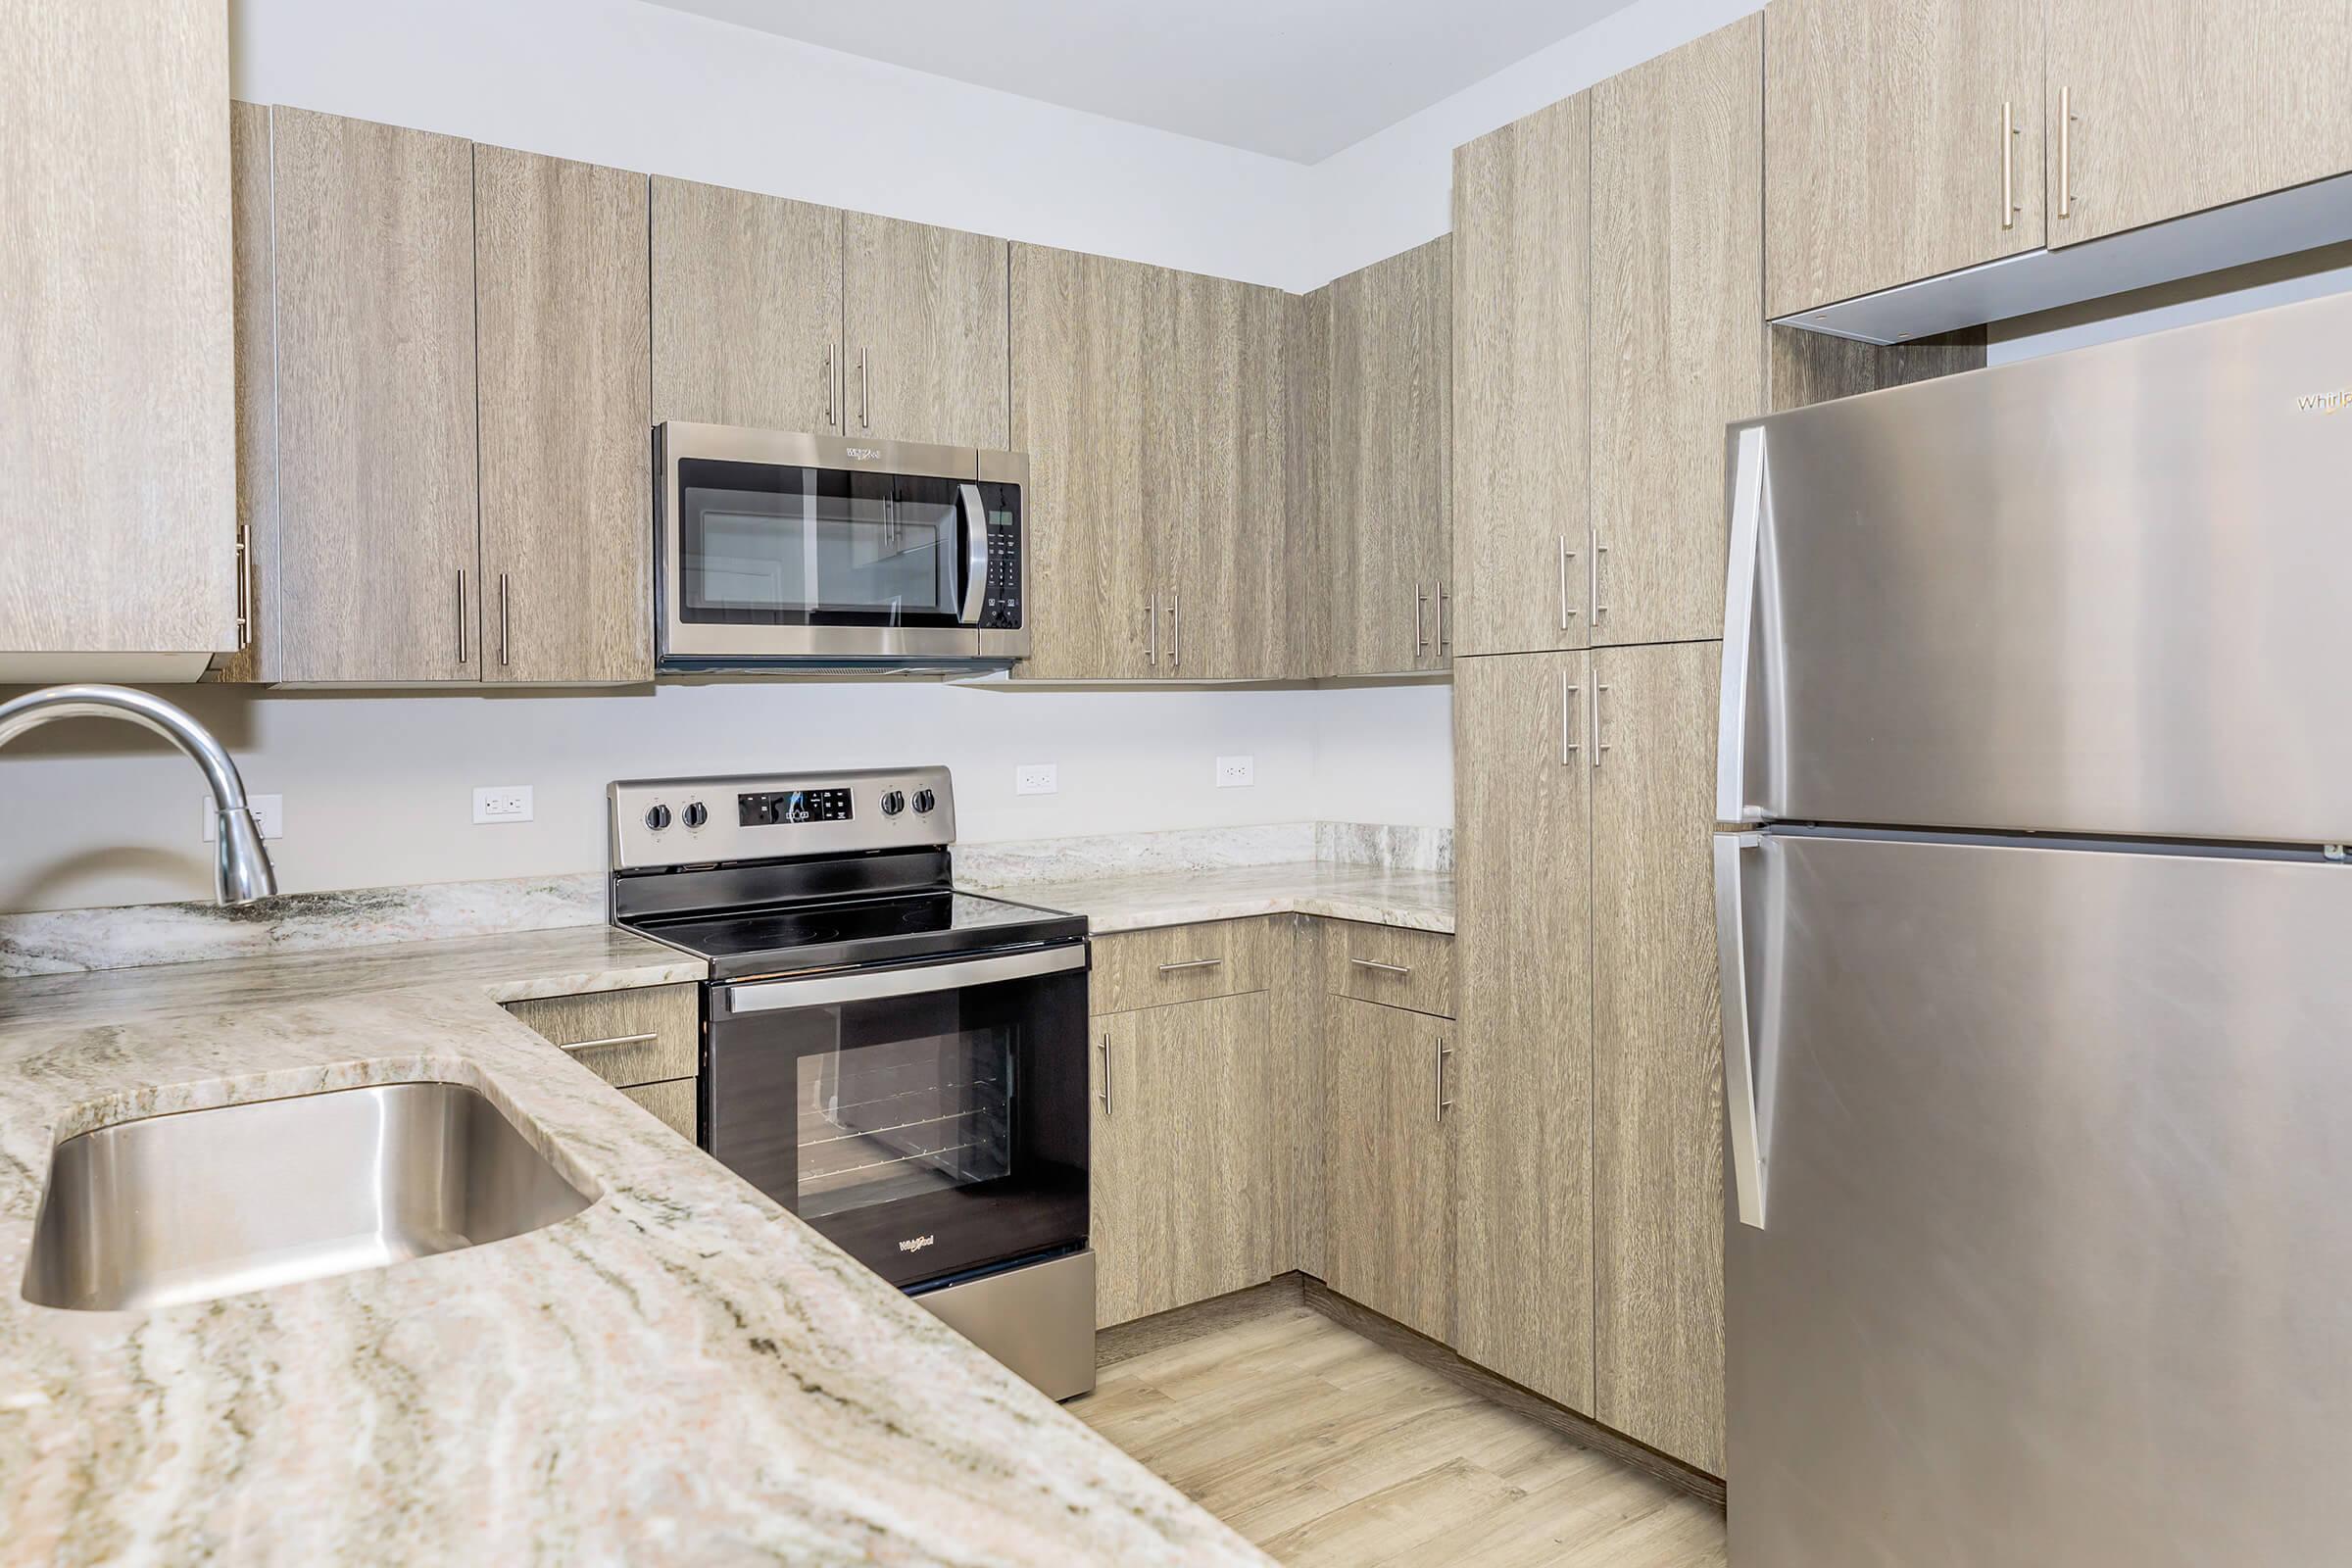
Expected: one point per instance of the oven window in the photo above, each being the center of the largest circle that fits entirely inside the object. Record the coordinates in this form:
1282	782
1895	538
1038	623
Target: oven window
885	1123
762	544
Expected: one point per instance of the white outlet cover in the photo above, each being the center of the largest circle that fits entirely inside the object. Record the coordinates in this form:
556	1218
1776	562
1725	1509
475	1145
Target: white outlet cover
502	802
269	811
1036	778
1236	772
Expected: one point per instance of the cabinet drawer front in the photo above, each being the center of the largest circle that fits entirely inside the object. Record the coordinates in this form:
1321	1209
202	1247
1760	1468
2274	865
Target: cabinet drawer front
1178	963
1389	964
671	1101
643	1036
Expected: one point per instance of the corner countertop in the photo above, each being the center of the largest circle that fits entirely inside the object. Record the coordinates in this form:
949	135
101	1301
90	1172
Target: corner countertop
1136	901
682	1371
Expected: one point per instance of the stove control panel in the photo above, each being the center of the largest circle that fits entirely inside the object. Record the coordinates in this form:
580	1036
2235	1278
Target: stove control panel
685	821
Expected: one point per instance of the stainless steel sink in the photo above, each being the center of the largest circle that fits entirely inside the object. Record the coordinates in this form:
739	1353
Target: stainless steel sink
205	1203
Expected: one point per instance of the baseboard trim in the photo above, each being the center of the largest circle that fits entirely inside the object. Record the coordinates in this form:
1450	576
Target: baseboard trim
1123	1342
1448	1363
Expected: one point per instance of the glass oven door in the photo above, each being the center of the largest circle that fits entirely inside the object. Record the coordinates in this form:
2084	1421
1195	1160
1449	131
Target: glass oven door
929	1119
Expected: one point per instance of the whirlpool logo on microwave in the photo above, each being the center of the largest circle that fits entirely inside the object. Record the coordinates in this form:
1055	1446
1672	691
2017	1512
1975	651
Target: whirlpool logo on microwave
915	1243
2325	401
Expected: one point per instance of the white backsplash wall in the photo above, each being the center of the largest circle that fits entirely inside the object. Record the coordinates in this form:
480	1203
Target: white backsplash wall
378	788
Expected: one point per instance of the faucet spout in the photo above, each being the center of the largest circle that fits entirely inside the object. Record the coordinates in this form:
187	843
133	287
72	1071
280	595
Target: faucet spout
241	873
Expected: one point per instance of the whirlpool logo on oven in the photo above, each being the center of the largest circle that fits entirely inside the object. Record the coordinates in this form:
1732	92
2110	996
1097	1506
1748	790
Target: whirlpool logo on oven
2325	401
915	1243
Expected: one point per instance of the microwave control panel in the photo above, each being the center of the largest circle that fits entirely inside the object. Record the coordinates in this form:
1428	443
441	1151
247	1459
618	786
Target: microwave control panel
1001	603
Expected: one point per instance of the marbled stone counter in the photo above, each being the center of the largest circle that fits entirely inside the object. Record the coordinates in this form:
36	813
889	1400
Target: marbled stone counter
1422	901
681	1373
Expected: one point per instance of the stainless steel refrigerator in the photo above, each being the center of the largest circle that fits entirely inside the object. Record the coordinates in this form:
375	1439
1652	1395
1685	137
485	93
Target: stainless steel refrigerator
2034	767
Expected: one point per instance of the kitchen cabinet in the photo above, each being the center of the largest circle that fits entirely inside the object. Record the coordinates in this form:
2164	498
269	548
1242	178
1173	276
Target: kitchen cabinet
379	565
565	388
925	337
1392	965
670	1102
118	553
1522	488
1078	410
1306	480
1387	1133
1387	563
1152	968
1902	140
1523	1066
1183	1164
643	1035
1678	333
2159	107
1657	1053
747	309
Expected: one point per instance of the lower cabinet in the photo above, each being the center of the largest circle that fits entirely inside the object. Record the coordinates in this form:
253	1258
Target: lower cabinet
1387	1237
1183	1156
644	1040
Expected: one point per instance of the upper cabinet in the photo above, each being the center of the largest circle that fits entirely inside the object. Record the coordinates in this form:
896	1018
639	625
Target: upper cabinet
780	315
746	308
1521	520
925	342
1387	565
1677	335
2159	107
119	523
1903	139
378	532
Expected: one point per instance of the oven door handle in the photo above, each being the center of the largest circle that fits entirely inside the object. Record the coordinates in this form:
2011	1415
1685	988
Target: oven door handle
974	513
877	985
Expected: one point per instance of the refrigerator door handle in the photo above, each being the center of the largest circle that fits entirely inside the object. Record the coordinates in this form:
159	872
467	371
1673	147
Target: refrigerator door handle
1739	623
1739	1076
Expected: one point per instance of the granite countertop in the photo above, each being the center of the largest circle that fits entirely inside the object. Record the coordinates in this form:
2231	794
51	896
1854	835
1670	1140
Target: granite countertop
680	1372
1133	901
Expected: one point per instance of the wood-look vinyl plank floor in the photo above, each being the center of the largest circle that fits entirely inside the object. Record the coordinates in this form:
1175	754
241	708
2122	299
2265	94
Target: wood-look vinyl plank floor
1325	1449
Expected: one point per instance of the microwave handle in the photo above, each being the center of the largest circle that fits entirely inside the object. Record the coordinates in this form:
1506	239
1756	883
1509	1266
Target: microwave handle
974	513
875	985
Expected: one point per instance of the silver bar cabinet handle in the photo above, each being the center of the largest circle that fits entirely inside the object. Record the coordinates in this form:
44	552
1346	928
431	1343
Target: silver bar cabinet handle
1151	631
1592	588
2066	152
1443	1104
1566	556
832	420
1568	691
1175	629
614	1040
862	420
1443	640
503	645
1105	1048
1189	963
2008	164
1598	745
1383	968
1739	1076
1420	598
461	649
244	586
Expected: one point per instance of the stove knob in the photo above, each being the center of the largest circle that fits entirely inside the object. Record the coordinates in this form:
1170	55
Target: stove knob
658	819
924	802
893	802
697	813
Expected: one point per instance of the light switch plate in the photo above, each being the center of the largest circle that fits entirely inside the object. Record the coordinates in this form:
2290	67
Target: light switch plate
502	802
1036	778
1236	772
268	812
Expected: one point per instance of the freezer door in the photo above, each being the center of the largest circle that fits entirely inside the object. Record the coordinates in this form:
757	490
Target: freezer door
2057	1266
2101	592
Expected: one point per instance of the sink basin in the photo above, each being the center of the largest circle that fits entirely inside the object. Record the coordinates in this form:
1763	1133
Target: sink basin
206	1204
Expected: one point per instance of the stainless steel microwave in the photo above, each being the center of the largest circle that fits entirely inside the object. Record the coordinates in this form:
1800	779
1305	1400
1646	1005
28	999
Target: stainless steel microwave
777	551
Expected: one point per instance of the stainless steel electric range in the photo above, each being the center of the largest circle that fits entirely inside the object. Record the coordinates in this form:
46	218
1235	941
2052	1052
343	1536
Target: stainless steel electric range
900	1063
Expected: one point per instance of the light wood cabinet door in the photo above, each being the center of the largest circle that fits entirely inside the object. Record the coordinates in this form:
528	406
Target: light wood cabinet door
925	333
563	365
1678	327
1523	1065
1306	482
1657	1054
747	309
2180	105
379	544
1885	158
118	518
1078	410
1390	544
1183	1164
1387	1238
1522	522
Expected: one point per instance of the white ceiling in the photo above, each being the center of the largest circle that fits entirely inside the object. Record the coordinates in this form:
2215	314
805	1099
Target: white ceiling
1292	78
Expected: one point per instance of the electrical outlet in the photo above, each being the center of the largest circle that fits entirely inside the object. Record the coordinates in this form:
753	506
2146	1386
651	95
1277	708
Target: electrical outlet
502	802
1035	778
1236	772
268	814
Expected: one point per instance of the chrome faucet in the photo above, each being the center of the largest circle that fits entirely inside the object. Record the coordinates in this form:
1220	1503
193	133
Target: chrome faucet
242	872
